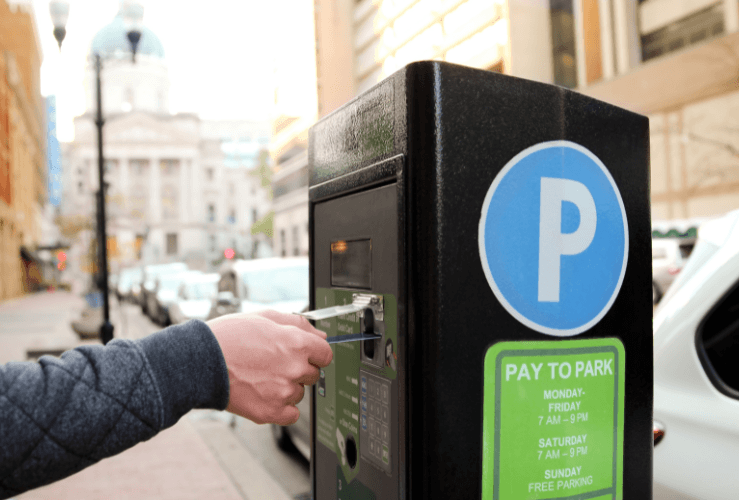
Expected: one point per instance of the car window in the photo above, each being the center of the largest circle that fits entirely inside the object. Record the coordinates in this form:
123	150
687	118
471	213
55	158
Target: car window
202	290
718	343
686	249
228	283
170	283
276	285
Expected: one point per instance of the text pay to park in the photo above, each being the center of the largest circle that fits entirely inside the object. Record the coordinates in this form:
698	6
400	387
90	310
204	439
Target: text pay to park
553	420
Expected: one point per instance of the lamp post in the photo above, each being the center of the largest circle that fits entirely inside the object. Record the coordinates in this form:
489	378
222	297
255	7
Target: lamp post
133	14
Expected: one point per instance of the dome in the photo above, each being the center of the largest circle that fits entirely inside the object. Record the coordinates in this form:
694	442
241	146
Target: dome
112	39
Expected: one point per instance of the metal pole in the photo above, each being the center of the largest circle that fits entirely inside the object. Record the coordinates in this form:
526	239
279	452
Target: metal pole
106	329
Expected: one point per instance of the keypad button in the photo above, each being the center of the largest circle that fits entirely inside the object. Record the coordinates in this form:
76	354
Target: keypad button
378	449
385	434
385	393
378	411
377	390
385	415
378	427
364	422
385	454
364	384
372	426
372	405
373	450
364	403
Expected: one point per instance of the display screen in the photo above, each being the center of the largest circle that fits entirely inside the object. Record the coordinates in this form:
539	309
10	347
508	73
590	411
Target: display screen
351	263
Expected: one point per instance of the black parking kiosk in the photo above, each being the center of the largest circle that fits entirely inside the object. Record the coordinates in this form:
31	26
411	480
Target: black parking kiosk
480	259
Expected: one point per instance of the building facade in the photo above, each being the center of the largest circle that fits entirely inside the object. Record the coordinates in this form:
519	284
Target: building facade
674	61
22	151
178	188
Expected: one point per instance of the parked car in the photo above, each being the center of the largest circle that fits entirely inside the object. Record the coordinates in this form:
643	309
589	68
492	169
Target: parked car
281	284
194	298
696	380
669	256
165	294
252	285
151	272
129	284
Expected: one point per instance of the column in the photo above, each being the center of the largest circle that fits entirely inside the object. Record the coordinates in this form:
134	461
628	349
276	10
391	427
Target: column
155	192
628	42
184	187
731	16
154	217
606	38
580	59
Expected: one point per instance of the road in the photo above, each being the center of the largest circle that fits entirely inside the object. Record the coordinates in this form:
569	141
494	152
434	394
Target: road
289	469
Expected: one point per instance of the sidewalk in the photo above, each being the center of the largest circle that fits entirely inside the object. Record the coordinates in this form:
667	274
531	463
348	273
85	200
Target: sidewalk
197	458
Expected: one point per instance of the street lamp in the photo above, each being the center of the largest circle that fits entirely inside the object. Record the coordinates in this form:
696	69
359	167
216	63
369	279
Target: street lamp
132	13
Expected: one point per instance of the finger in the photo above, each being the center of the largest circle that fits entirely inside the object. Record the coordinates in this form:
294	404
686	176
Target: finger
319	351
287	416
298	395
310	376
292	320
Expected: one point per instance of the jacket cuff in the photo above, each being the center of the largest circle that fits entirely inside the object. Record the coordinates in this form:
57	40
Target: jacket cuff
189	367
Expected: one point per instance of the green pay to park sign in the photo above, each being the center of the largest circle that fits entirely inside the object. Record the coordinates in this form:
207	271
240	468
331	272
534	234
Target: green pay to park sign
553	420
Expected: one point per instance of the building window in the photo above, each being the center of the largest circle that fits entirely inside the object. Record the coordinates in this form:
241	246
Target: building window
296	240
172	244
695	28
283	243
563	43
169	168
140	168
211	213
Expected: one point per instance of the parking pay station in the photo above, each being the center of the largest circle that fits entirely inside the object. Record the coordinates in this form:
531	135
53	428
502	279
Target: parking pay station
480	259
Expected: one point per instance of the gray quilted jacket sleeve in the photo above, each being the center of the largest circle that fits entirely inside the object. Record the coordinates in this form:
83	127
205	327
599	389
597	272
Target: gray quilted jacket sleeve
61	415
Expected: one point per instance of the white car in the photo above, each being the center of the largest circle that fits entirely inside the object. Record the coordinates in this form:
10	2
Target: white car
696	374
194	298
253	285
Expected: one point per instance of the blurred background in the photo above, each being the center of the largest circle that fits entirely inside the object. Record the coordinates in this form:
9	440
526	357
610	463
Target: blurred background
205	180
205	133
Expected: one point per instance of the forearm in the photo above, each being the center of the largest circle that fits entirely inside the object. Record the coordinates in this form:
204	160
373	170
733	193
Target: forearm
59	416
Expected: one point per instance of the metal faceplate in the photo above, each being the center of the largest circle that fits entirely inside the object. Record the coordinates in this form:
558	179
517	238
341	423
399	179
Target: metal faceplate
356	412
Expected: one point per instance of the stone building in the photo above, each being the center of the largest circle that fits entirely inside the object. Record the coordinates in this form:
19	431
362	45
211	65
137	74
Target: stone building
178	188
22	150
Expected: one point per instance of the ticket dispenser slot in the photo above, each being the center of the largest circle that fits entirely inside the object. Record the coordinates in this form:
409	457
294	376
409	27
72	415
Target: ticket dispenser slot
369	308
479	261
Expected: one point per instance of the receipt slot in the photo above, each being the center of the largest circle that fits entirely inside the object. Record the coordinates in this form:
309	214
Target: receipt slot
480	260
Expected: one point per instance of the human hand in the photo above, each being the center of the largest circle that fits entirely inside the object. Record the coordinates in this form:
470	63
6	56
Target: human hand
271	357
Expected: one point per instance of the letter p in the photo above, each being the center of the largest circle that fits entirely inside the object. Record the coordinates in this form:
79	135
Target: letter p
552	242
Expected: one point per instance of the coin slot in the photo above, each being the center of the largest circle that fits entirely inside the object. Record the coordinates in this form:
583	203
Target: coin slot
351	451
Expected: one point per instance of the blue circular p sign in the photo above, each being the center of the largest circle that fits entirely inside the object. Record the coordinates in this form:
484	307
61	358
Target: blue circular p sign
553	238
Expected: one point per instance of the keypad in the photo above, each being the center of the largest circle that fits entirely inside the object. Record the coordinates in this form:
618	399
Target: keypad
375	420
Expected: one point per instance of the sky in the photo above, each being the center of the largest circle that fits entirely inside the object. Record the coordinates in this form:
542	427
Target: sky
219	54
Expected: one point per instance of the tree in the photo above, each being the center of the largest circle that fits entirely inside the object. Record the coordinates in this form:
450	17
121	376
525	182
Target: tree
264	172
